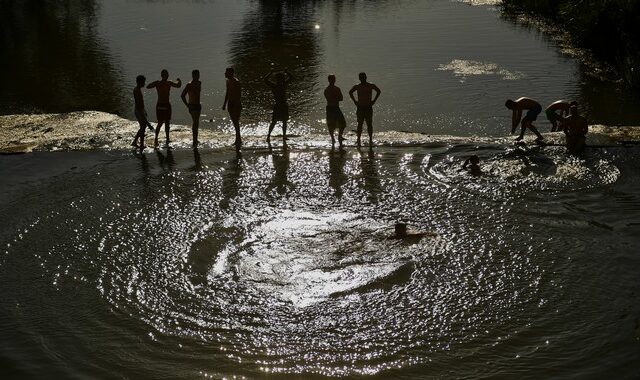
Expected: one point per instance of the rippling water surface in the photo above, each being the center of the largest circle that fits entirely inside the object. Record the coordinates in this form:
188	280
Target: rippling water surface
195	264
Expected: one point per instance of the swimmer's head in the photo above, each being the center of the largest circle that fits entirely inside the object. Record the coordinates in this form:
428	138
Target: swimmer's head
195	74
140	79
363	77
164	74
574	110
401	230
475	160
332	79
510	104
229	72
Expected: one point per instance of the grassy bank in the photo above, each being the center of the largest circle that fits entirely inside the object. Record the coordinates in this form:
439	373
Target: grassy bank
608	28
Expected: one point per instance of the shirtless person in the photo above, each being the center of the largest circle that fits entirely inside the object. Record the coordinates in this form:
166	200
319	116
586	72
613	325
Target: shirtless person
556	117
233	102
575	127
163	107
280	108
193	103
364	105
140	112
533	110
335	118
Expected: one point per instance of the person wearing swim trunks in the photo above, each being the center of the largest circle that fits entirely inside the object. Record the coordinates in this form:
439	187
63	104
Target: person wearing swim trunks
335	117
163	106
192	89
140	112
575	128
364	105
533	109
556	112
233	102
280	107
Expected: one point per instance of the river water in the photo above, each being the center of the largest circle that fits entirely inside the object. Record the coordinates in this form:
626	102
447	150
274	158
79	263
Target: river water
278	261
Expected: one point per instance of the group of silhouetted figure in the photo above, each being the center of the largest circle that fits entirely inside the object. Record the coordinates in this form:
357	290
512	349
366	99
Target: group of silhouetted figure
563	115
277	82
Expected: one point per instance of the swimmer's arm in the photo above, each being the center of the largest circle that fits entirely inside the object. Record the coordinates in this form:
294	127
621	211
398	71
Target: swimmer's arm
267	80
183	96
176	84
353	89
289	76
515	119
152	84
340	97
377	90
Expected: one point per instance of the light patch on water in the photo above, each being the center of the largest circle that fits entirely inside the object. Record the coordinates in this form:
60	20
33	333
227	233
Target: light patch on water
466	68
304	257
481	2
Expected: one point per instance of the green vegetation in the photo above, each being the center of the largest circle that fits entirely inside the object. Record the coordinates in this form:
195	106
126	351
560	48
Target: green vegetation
609	28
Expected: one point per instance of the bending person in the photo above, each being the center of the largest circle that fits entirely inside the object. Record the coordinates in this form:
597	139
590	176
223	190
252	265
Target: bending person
556	112
533	109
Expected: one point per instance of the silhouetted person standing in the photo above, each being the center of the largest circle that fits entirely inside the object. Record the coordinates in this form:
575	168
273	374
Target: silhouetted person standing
140	112
335	117
233	102
280	107
533	109
556	112
364	104
575	127
163	106
192	89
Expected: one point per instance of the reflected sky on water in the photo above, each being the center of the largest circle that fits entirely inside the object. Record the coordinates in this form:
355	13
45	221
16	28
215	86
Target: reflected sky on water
444	66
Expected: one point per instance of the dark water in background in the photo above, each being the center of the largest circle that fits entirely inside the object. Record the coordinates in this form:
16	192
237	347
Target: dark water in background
181	264
444	67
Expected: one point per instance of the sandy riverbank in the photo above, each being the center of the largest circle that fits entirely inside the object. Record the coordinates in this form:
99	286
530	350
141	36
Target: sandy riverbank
93	130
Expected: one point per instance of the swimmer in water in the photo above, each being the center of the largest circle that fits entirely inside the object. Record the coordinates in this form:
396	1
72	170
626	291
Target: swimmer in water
163	107
473	163
533	109
192	90
402	233
140	112
575	128
556	112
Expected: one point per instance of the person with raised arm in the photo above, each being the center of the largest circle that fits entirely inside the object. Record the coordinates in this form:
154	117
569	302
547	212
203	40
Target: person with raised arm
280	106
163	106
